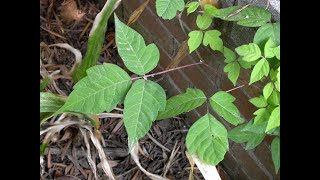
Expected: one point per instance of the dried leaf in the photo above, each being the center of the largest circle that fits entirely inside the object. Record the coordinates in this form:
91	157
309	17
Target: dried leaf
90	161
75	51
182	53
191	161
210	2
136	14
105	164
209	172
69	11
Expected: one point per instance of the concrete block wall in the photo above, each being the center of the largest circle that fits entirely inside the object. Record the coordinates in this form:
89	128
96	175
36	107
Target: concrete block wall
167	35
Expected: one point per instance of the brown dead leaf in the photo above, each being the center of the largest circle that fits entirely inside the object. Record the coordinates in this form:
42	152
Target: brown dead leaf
182	53
212	2
136	14
70	12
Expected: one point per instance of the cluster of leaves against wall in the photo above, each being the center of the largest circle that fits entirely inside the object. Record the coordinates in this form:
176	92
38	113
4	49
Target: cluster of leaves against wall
100	88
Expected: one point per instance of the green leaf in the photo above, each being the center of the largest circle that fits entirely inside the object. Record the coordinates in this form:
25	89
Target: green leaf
213	11
212	38
233	70
259	102
167	9
137	57
208	138
265	32
195	39
203	21
229	55
276	51
105	86
251	16
273	74
277	83
257	128
50	102
275	152
249	52
268	49
254	141
260	69
141	106
44	83
222	103
267	90
239	136
274	131
274	120
245	64
262	115
274	98
192	7
96	39
181	103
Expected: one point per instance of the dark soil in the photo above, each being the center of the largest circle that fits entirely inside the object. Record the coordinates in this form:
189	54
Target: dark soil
65	157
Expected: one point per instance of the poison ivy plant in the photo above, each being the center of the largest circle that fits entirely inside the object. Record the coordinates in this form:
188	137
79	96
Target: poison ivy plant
141	106
222	103
103	88
192	7
195	39
100	88
208	138
167	9
179	104
275	150
137	57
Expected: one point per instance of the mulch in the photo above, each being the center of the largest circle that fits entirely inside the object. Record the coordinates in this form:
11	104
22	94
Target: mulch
65	156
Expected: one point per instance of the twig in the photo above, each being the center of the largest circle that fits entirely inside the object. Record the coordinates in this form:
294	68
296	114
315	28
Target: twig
53	33
155	141
235	88
166	71
239	10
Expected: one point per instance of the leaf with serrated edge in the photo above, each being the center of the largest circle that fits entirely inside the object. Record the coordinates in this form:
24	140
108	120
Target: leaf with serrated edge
195	39
203	21
167	9
249	52
222	103
141	106
103	88
259	102
265	32
137	57
260	70
275	152
267	90
274	120
229	55
50	102
192	7
181	103
212	38
208	138
233	70
239	136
